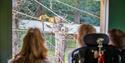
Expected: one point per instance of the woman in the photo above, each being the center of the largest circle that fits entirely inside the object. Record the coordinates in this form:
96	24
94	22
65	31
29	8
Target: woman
83	30
33	50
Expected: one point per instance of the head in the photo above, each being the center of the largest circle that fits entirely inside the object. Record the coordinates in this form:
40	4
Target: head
83	30
116	37
33	46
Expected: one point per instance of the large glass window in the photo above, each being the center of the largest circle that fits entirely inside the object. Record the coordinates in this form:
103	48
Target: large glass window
46	15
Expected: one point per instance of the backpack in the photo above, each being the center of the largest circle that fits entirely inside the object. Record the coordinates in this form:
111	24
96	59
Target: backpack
87	54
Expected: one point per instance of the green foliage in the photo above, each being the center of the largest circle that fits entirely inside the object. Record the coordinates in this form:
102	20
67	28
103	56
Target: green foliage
29	7
70	43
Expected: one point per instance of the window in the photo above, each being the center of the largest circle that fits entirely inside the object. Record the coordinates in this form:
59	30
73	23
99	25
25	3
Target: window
44	14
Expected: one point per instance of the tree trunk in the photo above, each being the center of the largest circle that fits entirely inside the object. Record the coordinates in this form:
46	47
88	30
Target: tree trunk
77	13
59	47
15	41
39	10
14	28
59	44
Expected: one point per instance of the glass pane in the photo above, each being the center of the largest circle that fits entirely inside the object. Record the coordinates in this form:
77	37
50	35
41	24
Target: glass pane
46	15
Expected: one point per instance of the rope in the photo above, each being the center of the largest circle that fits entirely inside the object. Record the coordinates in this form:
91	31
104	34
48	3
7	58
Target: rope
25	14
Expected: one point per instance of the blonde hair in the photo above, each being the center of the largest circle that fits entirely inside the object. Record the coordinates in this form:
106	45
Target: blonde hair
33	50
83	30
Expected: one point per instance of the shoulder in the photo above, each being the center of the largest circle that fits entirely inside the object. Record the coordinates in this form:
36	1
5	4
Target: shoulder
75	51
45	61
11	60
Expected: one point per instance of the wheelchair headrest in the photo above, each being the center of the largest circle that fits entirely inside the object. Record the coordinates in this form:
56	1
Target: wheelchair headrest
91	39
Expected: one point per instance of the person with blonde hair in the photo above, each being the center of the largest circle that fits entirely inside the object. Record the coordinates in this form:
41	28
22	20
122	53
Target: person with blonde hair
33	49
83	30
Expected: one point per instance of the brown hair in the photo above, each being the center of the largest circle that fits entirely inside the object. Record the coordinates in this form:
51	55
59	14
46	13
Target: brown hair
116	36
83	30
33	50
